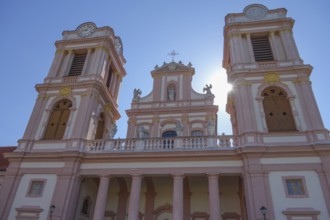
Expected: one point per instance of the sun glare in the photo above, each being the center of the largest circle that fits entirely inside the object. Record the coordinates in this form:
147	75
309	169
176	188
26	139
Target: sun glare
220	87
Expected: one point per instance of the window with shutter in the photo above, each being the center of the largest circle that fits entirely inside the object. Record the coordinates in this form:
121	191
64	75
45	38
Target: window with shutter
58	119
77	64
262	49
277	110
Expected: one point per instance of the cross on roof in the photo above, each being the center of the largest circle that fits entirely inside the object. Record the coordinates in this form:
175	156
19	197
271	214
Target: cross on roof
173	54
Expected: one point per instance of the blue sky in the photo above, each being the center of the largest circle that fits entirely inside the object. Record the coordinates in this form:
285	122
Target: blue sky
149	31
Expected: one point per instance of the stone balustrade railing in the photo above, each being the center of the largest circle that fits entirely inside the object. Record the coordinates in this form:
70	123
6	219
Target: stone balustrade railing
162	144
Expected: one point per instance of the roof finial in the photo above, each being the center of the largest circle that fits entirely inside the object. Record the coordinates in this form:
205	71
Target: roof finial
173	54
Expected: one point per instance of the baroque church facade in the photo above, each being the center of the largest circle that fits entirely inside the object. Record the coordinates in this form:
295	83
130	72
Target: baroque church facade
172	164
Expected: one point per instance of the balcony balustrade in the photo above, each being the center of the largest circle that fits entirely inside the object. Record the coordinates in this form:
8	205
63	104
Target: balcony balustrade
221	142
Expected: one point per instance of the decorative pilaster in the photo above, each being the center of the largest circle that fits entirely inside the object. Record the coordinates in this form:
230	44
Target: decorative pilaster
310	110
256	191
243	100
236	44
67	63
134	202
250	48
155	126
53	71
101	199
272	41
214	198
83	72
9	188
178	196
286	39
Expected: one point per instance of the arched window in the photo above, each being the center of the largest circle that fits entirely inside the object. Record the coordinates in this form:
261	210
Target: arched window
169	134
58	120
171	92
197	133
86	206
100	126
169	143
277	110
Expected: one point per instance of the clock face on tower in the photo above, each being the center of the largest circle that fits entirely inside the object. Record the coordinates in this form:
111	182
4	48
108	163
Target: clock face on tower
86	29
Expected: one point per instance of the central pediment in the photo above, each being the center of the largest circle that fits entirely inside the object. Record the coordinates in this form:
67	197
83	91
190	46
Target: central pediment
173	67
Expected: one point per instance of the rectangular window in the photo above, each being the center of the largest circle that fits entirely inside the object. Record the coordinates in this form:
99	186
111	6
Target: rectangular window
77	64
36	188
295	187
261	48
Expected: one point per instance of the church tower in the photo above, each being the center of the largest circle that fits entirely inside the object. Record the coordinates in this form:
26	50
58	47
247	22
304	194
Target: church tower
272	102
78	99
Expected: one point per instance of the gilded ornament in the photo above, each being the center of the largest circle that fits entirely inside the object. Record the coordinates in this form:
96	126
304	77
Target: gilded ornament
245	83
301	80
107	108
65	91
42	96
230	100
60	52
271	77
132	121
185	119
85	94
155	120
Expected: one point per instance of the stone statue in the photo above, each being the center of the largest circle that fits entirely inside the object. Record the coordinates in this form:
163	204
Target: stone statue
141	131
118	46
210	127
171	94
136	94
179	128
207	89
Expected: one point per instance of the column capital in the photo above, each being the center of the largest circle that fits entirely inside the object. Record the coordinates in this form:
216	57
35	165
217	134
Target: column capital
178	175
136	175
103	176
213	174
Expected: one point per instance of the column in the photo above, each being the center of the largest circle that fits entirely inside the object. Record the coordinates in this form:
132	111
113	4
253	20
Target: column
178	196
251	53
274	46
289	50
101	199
66	64
85	67
134	201
236	44
245	108
232	54
307	97
214	199
155	127
53	71
95	61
